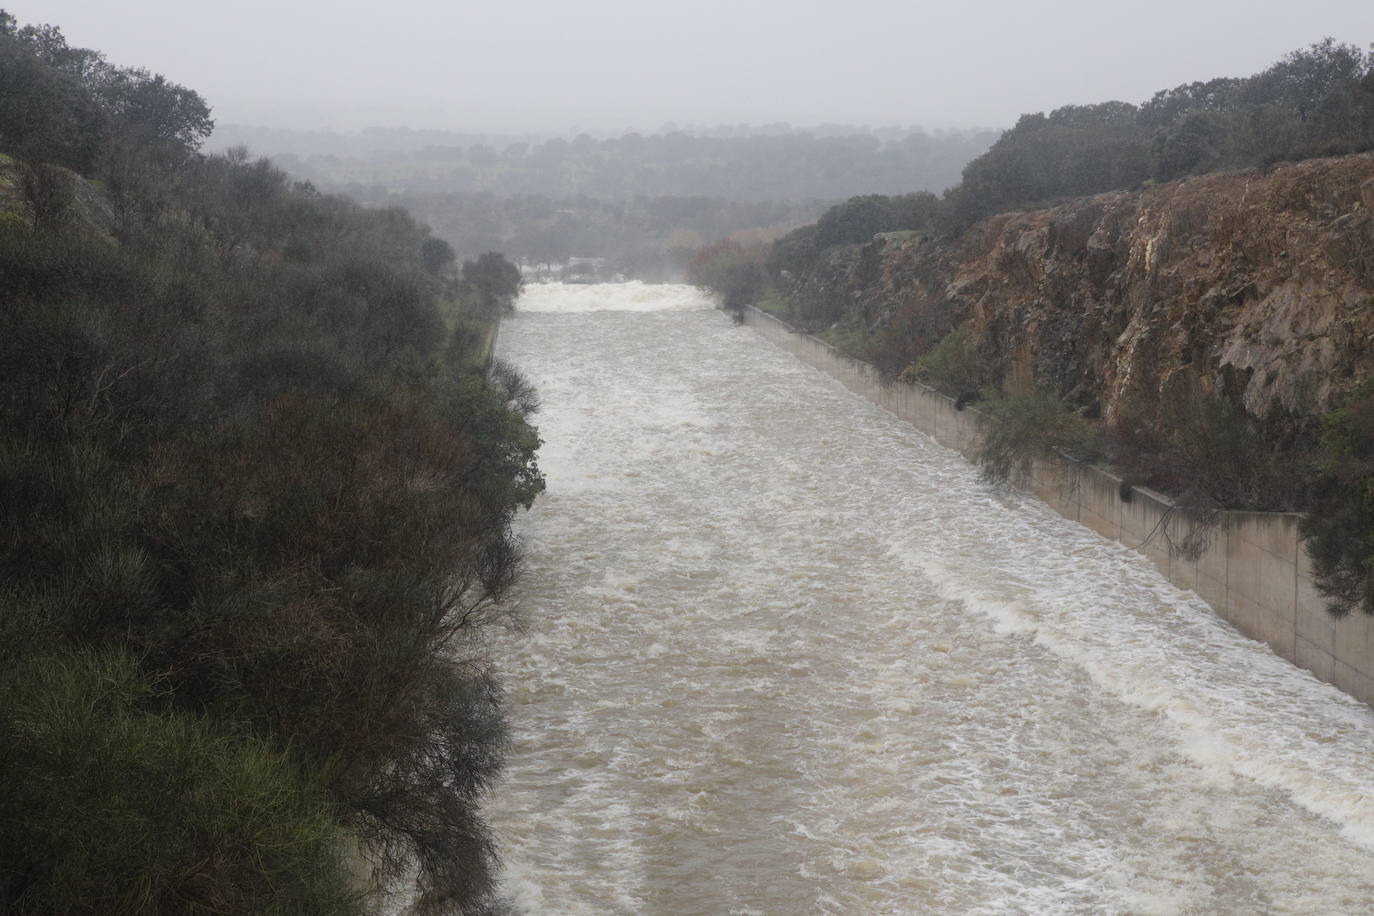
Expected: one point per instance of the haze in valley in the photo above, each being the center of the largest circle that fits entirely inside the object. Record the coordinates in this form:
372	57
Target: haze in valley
608	66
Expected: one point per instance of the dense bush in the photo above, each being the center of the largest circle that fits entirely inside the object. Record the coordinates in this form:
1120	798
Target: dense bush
1340	528
733	272
1028	425
1316	101
495	281
792	255
856	221
1207	451
71	107
1072	151
255	500
950	365
120	805
853	222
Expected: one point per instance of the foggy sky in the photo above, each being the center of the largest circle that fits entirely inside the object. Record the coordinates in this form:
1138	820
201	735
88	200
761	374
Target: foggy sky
609	65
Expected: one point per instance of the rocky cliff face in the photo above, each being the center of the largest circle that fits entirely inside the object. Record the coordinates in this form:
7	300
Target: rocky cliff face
1258	287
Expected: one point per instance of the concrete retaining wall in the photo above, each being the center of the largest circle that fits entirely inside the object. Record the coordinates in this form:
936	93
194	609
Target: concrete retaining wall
1254	572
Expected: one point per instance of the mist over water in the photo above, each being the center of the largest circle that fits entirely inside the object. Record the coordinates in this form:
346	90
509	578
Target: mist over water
633	296
784	654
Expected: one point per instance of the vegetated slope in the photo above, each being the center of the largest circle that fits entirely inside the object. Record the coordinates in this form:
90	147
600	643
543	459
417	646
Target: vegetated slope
1314	102
255	497
1220	324
1222	327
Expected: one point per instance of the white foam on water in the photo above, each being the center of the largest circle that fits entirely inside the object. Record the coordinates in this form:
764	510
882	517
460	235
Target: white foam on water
1269	721
633	296
783	654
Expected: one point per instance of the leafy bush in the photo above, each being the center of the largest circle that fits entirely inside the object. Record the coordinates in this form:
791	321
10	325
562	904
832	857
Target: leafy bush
1339	530
853	222
495	281
950	366
1206	451
1029	425
72	107
793	254
856	221
113	803
731	271
850	338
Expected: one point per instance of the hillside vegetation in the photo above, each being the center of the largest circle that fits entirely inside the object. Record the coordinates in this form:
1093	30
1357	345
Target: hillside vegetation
256	488
1315	102
1206	306
642	202
778	163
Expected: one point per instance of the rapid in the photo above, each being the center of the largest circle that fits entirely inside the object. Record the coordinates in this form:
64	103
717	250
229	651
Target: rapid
778	652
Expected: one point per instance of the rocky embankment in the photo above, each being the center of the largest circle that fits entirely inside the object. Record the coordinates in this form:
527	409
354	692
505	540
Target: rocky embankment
1257	287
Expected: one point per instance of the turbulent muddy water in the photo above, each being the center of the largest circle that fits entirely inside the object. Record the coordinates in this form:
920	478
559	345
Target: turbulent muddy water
784	654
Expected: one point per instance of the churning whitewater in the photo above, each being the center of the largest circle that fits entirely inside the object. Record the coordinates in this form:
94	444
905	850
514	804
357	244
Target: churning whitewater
783	654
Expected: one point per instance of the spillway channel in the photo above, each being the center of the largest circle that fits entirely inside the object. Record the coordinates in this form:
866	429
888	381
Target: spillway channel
780	653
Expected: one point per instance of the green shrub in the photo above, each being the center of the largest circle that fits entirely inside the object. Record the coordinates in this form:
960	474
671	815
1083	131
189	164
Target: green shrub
470	343
1029	425
775	305
1205	451
856	221
950	366
111	803
496	281
792	255
851	338
1339	529
734	273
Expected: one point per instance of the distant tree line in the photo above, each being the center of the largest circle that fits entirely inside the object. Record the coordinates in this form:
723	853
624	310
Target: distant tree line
256	487
650	238
643	202
782	166
1317	101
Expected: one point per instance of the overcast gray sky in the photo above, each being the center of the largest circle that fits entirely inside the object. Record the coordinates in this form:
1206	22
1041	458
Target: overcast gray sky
606	65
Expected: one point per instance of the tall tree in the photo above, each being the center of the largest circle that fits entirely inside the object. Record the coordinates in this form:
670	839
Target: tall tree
496	281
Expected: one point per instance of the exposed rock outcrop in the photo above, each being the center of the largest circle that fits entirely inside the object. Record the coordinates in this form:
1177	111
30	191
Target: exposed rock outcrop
1256	286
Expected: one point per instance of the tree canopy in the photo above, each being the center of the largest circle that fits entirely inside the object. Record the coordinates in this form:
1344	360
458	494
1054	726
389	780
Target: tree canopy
1315	101
496	280
71	107
256	489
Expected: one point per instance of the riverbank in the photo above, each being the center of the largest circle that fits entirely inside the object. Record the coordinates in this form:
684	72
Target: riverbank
1253	572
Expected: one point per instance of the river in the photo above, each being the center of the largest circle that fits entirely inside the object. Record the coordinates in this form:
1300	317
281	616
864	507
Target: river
780	653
